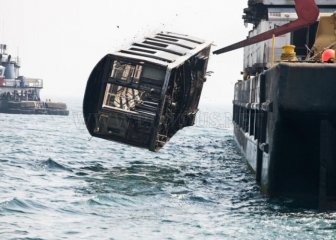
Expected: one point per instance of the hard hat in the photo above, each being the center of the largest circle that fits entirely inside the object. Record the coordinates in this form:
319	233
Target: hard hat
328	55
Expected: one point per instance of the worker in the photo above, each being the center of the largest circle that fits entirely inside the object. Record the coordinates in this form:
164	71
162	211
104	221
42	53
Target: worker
328	56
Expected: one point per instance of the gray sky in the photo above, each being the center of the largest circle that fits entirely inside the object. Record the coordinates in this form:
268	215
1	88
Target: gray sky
61	41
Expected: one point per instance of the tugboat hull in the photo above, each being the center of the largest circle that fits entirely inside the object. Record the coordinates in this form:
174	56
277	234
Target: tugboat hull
33	107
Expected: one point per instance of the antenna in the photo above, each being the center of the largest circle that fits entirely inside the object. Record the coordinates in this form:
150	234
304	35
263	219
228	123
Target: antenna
2	28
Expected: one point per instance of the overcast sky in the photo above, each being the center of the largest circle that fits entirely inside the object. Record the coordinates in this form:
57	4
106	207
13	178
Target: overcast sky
60	41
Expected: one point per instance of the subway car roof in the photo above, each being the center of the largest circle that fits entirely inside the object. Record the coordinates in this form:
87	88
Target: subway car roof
164	48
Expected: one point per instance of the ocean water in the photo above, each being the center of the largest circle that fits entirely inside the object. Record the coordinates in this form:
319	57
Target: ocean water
56	182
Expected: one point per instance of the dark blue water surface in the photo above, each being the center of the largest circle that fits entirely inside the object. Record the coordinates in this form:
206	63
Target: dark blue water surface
58	183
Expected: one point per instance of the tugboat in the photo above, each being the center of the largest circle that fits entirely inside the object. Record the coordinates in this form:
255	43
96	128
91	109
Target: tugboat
21	95
144	94
284	109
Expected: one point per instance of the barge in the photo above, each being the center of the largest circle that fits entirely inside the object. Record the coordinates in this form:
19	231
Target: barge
144	94
284	108
21	95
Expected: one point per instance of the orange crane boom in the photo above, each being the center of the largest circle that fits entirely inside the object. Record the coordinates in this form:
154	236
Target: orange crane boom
307	12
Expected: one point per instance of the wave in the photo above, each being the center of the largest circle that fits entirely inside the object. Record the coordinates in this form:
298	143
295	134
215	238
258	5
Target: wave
53	165
20	206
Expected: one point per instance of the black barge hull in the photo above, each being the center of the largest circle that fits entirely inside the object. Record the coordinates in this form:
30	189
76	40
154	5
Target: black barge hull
285	124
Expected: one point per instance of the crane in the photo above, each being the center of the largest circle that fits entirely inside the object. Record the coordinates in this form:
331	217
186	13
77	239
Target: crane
307	12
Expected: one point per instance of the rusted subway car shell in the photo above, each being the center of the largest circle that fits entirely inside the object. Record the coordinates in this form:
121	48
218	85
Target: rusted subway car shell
144	94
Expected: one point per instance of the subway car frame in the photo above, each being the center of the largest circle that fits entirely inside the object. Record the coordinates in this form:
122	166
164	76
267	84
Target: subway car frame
143	95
